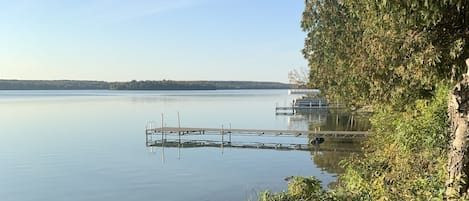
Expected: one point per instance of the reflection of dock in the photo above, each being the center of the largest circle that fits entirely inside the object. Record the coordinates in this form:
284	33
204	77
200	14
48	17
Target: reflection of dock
259	132
244	145
214	143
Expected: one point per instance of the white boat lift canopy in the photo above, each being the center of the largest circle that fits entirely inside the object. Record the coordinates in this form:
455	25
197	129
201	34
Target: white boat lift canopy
304	91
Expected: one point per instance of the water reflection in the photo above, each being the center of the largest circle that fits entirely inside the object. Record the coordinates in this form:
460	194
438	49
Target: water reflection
325	119
110	162
329	161
326	154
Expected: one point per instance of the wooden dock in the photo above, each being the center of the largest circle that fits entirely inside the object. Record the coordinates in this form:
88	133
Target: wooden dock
258	132
167	136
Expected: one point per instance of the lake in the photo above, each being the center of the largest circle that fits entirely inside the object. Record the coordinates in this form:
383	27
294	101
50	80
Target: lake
90	145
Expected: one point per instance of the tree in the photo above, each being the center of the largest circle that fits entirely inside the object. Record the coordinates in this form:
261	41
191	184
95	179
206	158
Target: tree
298	77
332	36
457	184
372	51
394	55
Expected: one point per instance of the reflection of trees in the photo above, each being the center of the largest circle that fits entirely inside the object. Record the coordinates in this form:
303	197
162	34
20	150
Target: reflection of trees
332	151
344	122
328	119
328	155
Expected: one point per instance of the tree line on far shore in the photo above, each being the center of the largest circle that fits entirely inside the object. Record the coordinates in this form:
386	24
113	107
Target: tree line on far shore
136	85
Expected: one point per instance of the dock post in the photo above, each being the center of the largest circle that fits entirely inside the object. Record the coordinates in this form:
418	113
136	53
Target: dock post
230	134
222	135
162	128
222	140
179	132
146	137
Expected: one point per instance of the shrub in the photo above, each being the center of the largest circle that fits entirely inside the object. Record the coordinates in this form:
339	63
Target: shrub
406	157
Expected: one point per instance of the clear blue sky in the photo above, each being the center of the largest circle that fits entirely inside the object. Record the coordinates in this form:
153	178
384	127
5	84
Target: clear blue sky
119	40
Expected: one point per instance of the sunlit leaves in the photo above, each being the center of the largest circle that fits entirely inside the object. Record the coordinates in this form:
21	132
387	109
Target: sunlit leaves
378	51
395	54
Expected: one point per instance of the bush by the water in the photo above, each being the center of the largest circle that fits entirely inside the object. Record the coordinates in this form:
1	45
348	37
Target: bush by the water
405	159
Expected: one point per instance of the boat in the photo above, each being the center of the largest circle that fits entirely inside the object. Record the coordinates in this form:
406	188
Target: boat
310	98
311	102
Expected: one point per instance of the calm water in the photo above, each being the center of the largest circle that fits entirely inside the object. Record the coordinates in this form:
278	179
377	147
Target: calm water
90	145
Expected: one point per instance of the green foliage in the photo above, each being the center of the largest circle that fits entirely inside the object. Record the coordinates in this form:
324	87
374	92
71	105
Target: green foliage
300	189
384	52
161	85
332	35
400	57
406	157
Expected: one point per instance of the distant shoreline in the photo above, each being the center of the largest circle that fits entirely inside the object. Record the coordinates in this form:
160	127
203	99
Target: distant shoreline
136	85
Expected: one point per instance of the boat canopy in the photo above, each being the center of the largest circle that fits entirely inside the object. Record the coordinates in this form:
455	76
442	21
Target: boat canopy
305	91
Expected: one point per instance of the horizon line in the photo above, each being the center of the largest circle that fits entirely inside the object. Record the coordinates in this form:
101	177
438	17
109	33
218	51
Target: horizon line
140	80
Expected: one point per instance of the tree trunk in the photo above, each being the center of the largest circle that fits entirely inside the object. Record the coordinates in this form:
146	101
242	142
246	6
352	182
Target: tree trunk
457	182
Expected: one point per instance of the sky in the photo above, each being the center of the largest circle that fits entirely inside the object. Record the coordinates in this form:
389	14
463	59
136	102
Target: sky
121	40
